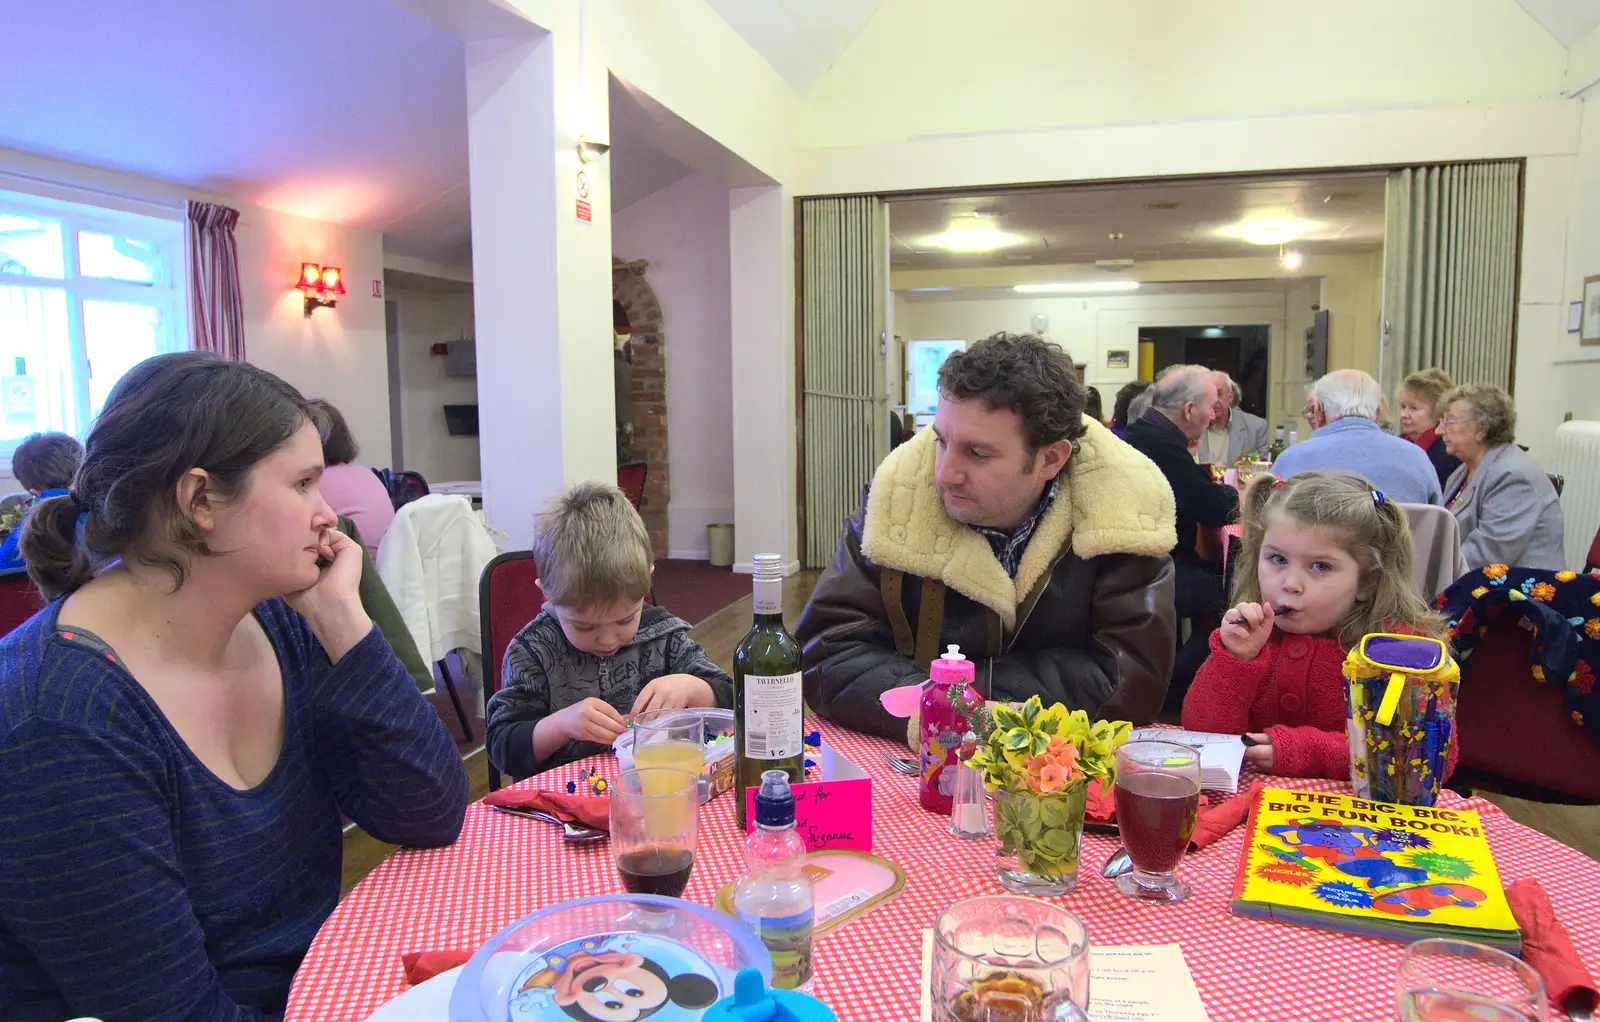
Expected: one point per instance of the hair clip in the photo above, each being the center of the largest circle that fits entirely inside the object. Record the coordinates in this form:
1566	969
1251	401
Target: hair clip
1377	499
1277	483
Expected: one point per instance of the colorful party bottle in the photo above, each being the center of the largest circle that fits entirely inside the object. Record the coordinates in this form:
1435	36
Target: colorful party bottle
943	729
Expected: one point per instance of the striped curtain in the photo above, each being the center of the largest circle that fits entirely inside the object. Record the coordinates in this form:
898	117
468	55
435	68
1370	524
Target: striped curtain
216	307
1450	271
845	405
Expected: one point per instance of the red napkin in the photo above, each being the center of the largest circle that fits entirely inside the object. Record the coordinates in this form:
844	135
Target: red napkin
589	810
1547	947
1099	804
422	966
1217	820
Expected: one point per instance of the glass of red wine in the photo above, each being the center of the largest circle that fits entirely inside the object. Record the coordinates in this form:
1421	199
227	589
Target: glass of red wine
1158	799
655	816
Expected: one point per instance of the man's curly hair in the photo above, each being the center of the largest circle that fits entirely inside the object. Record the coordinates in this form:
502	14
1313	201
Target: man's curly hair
1025	374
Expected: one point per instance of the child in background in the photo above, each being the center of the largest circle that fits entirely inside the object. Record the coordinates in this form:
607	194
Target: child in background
1325	560
596	654
44	463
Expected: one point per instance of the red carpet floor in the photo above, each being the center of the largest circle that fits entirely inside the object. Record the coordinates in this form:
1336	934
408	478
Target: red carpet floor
694	590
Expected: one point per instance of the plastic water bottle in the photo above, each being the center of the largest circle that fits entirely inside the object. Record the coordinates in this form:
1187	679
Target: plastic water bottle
943	729
774	897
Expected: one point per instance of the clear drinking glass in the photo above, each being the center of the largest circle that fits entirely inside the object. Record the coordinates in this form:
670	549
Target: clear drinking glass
671	738
1158	800
1459	981
1009	957
655	816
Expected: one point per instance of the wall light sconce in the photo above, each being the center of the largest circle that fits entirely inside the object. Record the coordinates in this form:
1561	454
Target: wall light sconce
590	149
318	282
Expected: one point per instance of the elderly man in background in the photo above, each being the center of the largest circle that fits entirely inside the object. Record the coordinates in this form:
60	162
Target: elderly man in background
1182	402
1346	437
1234	432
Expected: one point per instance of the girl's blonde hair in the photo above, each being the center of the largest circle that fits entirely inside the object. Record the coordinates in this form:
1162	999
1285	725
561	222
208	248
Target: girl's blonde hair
1370	527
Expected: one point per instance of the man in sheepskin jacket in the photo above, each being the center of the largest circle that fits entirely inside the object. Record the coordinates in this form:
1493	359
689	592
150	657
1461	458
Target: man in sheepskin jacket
1015	527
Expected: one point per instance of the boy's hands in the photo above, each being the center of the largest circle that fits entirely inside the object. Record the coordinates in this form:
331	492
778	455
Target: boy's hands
591	720
674	692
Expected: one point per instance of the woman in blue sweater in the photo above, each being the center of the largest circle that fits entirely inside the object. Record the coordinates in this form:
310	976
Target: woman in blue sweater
182	727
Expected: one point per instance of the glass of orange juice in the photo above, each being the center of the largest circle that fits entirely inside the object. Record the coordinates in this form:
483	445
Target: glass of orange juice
669	738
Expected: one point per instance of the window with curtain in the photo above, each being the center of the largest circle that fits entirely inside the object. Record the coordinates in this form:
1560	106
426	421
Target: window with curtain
85	293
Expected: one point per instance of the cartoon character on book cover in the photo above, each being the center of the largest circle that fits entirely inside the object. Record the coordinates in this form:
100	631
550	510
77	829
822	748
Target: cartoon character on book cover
1325	854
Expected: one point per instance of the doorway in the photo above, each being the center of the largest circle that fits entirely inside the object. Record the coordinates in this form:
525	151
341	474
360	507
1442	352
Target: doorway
1241	351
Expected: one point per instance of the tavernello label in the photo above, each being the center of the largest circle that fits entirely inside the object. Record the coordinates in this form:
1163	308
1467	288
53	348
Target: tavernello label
773	716
769	596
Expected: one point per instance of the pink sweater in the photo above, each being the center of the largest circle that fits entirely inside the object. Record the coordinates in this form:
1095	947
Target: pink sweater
1293	691
354	490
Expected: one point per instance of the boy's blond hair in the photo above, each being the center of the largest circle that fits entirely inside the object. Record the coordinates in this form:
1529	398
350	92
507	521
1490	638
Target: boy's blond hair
591	548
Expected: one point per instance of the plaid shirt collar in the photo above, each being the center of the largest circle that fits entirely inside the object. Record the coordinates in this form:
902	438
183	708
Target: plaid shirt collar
1009	547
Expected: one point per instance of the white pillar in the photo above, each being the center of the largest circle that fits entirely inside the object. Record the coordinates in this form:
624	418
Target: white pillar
541	276
761	252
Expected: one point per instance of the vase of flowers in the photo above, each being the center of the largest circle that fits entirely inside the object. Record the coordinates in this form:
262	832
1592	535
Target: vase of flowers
1039	762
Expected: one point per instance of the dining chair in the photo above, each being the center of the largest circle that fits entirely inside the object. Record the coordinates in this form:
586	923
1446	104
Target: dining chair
630	480
507	600
19	600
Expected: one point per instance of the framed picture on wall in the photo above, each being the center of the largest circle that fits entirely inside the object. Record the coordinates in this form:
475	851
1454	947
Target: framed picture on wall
1117	359
1591	311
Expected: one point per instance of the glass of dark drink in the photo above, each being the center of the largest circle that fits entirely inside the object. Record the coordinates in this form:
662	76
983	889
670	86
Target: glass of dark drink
655	815
1158	799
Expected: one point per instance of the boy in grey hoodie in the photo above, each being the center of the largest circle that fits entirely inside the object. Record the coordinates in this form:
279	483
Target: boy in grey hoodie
596	654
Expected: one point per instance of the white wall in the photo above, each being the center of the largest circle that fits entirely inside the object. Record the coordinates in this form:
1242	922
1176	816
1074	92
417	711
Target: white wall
425	318
338	354
682	230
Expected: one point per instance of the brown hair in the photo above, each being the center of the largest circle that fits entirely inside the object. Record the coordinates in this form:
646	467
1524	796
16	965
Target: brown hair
1492	407
46	461
1125	396
1430	385
591	548
1023	374
1370	527
167	415
339	447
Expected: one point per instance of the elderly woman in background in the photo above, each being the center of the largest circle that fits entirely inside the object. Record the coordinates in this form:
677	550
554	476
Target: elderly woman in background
1419	396
1122	411
1502	499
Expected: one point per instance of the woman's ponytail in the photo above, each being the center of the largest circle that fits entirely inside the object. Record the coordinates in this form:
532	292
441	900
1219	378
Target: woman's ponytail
56	561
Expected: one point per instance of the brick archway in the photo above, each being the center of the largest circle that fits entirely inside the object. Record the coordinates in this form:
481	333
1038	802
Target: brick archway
647	355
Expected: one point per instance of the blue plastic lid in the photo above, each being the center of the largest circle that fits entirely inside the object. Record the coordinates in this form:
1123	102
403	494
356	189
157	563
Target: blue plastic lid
775	800
753	1002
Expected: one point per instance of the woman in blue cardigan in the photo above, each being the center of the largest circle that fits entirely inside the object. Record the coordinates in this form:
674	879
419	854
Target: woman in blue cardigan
182	727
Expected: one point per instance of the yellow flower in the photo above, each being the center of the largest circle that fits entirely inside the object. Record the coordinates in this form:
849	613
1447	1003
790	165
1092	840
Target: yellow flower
1566	576
1595	599
1591	628
1495	570
1478	592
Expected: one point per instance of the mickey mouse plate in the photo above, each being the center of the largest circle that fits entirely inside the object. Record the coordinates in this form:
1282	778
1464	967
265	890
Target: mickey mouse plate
617	958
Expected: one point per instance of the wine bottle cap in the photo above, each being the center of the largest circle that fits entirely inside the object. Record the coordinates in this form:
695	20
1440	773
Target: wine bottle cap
767	567
775	800
953	667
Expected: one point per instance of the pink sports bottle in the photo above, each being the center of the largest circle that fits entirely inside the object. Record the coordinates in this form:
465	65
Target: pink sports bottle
943	729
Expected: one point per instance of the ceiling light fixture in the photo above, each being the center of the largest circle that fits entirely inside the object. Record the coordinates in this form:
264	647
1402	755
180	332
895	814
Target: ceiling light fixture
1271	232
1291	260
977	238
1076	287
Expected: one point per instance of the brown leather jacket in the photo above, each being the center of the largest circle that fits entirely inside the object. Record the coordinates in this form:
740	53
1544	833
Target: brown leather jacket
1088	621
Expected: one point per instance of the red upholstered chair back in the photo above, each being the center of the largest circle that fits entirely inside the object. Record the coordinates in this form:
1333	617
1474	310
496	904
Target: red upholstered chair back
507	600
1511	724
1591	562
19	600
630	480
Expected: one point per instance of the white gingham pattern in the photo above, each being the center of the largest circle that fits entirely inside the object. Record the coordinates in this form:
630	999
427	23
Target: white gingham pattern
869	971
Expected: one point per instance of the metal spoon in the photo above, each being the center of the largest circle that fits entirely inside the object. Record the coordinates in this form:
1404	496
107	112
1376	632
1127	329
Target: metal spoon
575	832
1118	864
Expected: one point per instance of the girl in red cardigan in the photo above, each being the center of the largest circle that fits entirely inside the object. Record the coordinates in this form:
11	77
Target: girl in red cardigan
1325	560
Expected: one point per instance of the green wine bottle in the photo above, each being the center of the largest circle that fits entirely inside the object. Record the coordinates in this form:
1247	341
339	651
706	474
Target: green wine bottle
768	707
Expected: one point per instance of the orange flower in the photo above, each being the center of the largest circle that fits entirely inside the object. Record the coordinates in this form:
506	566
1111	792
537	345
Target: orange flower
1595	599
1566	576
1543	591
1495	570
1051	779
1591	628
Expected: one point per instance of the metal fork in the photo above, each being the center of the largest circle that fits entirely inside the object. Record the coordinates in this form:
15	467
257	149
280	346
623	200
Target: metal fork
902	764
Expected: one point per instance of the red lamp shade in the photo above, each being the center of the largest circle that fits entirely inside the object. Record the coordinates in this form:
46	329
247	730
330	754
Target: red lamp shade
320	280
310	277
332	282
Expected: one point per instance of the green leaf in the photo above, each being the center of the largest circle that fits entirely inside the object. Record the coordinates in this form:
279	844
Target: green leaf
1053	813
1056	843
1018	740
1006	719
1040	743
1030	711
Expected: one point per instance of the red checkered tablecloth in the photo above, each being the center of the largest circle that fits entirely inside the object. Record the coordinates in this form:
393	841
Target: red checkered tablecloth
503	867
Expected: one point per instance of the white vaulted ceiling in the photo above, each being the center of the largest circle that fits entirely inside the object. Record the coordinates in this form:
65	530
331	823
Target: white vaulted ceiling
800	38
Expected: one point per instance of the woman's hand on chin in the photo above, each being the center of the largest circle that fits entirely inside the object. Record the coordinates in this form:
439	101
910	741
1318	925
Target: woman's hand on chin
332	604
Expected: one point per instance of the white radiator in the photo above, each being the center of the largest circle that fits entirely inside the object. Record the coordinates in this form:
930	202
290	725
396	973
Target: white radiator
1578	460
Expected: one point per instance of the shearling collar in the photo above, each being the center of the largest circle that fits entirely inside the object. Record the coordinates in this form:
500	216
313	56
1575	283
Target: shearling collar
1113	500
